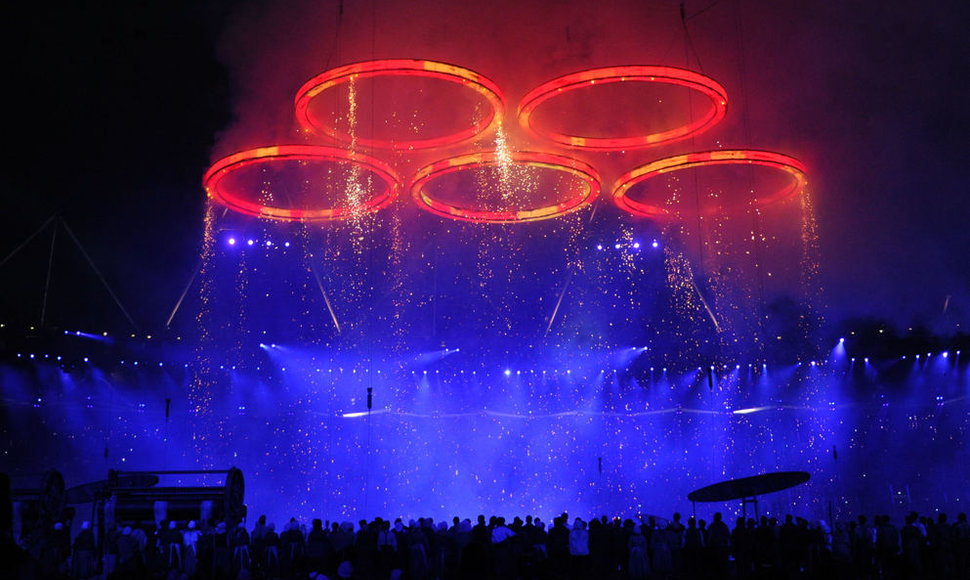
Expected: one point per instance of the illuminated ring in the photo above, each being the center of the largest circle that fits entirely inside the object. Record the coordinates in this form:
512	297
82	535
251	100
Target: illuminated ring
225	166
621	74
789	165
577	168
401	67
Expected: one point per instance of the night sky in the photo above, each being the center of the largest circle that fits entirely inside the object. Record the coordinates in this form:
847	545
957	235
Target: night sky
114	111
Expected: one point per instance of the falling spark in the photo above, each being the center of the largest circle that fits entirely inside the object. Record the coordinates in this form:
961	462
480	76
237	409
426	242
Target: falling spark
558	303
326	299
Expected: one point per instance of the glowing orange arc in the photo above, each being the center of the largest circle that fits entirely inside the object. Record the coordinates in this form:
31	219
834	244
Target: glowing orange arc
789	165
214	176
401	67
584	196
624	74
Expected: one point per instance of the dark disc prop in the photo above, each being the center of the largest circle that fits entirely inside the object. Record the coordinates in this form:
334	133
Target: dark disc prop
94	490
746	487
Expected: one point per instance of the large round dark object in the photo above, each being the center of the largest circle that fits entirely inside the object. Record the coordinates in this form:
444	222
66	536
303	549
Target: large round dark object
746	487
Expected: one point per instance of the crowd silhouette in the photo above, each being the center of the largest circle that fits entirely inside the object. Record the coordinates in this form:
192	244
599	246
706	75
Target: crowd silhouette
568	549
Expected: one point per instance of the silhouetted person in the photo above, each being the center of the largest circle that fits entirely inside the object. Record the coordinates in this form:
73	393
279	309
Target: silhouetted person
170	539
291	541
130	563
258	546
719	541
693	549
558	546
579	549
638	565
961	546
317	546
271	552
887	546
83	562
911	543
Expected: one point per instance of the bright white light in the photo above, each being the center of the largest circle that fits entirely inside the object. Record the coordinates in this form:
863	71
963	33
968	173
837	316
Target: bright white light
749	411
232	241
250	242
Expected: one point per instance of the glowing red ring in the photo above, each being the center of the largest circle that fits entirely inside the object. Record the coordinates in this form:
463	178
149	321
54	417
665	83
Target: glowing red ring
222	168
577	168
785	163
619	74
402	67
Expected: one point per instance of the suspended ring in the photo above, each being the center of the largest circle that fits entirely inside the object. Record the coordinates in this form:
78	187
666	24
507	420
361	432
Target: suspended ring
789	165
213	182
583	171
401	67
625	74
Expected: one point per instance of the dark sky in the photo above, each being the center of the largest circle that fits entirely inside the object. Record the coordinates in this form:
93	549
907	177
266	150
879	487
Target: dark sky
114	110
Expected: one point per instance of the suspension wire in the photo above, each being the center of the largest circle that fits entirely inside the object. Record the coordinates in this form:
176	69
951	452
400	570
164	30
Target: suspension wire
757	224
98	272
688	48
50	271
688	41
703	10
27	240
